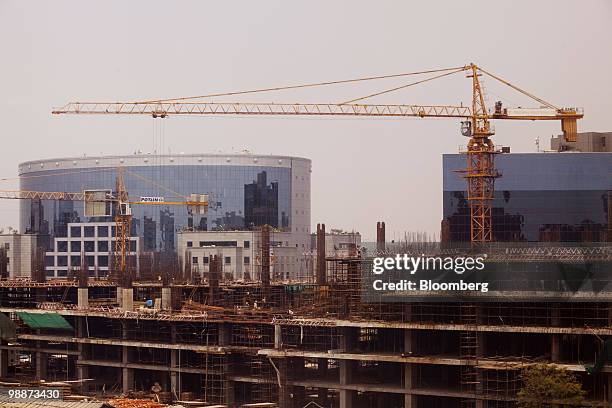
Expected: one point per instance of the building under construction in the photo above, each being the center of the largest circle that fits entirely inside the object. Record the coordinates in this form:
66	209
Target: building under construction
254	318
210	341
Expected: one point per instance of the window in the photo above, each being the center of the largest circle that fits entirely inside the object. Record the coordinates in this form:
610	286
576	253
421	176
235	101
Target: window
247	244
49	260
102	246
75	260
75	231
228	260
89	231
205	259
103	231
194	260
189	244
7	246
62	246
103	260
75	246
90	261
62	260
90	246
62	273
247	260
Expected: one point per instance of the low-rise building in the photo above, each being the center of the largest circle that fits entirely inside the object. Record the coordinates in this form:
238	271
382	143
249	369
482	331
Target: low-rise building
338	242
94	240
18	254
240	254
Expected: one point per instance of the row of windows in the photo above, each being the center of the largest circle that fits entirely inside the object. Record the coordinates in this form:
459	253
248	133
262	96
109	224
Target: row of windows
75	260
89	246
227	260
62	273
245	244
89	231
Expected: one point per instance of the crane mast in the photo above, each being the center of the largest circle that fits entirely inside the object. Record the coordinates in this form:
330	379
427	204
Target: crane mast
123	228
480	172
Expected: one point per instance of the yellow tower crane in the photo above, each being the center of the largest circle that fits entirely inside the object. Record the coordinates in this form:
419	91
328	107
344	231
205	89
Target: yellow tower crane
197	203
476	125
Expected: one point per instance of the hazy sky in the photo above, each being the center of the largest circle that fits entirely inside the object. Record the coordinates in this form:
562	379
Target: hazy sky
364	170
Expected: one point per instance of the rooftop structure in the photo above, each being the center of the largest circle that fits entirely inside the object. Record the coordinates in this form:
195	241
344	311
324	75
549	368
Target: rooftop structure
585	142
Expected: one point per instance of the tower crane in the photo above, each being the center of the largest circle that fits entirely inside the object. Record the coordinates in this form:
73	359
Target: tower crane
476	122
122	211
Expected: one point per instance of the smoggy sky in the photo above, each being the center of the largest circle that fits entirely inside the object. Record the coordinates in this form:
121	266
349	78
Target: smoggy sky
364	170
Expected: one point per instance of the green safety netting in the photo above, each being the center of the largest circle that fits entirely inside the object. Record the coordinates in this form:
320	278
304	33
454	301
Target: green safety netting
45	321
7	328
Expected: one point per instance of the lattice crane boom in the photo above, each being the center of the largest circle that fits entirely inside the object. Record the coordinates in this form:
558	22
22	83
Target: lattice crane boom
480	172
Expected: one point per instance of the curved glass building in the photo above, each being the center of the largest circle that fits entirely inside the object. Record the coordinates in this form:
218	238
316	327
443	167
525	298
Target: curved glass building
244	190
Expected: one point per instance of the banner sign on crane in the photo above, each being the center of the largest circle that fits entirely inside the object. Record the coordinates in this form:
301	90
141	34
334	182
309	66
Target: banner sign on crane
152	199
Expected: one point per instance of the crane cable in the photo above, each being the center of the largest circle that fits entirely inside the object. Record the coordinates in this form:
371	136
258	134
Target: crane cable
403	86
160	186
516	88
310	85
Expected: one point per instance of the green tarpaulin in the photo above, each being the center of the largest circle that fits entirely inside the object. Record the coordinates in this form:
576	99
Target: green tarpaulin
45	321
7	328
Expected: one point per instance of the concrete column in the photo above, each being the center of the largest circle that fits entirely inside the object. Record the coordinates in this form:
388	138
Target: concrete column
230	396
347	344
409	369
124	330
322	375
82	373
278	337
119	296
83	298
82	370
555	348
42	361
284	392
346	377
125	354
346	398
127	378
127	373
175	386
127	299
166	298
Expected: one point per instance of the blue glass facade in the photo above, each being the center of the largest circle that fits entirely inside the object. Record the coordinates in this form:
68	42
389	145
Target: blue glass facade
559	197
243	193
